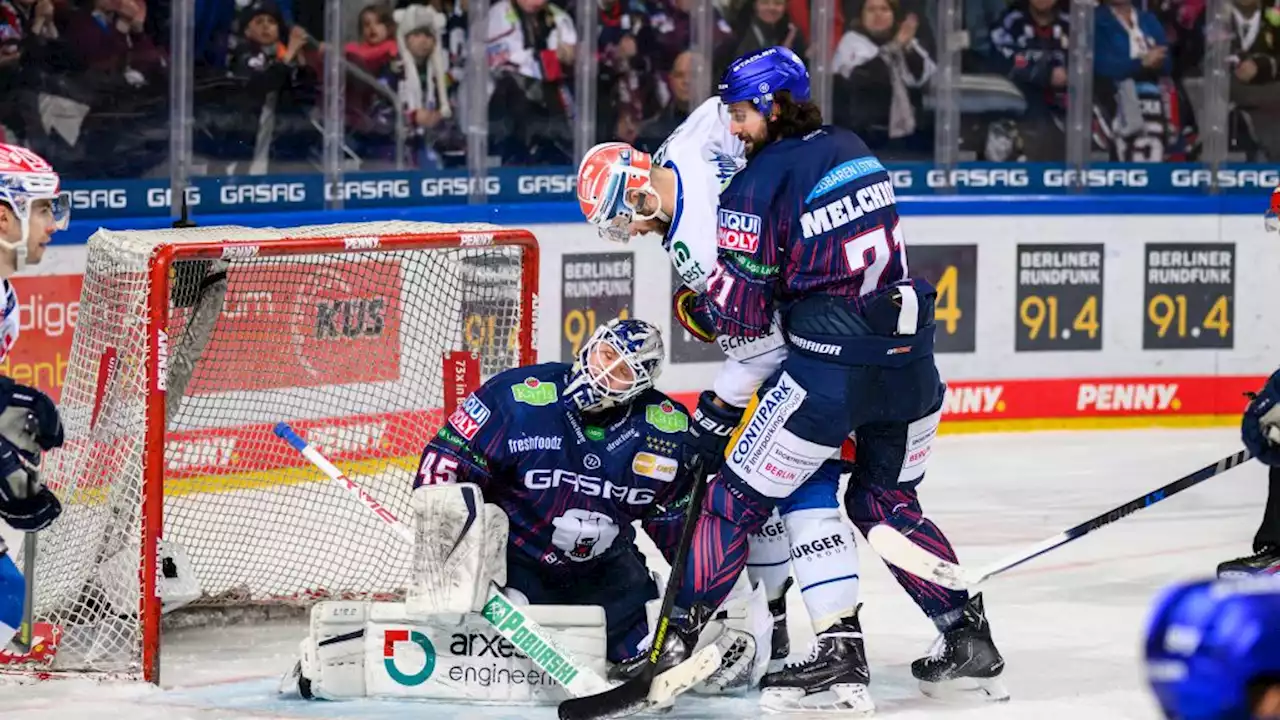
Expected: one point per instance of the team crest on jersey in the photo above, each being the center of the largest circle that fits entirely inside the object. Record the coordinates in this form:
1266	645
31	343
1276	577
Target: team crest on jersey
470	417
738	231
534	392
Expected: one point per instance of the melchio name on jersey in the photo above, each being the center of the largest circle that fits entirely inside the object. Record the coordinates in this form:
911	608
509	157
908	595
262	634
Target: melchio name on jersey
587	485
846	209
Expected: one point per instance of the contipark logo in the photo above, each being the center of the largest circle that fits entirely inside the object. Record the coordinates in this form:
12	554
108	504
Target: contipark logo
417	677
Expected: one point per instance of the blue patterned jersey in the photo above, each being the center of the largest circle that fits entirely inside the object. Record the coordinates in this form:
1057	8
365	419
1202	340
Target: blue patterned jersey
571	484
807	216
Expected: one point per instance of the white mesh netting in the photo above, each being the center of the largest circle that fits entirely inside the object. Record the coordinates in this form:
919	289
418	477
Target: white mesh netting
346	346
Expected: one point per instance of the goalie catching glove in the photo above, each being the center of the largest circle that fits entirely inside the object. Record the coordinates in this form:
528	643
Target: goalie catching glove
29	424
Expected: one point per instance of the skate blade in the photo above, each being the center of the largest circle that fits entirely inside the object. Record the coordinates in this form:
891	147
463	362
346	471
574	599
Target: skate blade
966	689
846	699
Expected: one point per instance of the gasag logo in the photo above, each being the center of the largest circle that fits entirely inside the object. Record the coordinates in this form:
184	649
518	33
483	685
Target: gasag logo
390	639
738	231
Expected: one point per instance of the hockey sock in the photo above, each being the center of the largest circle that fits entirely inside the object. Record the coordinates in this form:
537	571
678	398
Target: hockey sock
900	508
719	550
825	557
769	557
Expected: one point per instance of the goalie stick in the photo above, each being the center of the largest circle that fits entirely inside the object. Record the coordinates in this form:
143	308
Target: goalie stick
645	692
897	548
505	617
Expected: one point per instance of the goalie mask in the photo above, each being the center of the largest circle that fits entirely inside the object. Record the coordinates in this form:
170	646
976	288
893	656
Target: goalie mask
614	190
620	360
25	180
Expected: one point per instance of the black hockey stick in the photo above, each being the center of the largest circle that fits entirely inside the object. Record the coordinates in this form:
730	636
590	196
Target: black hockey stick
21	642
633	696
897	549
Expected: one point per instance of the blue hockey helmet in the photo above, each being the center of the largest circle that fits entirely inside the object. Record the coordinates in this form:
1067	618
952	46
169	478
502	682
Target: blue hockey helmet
620	360
759	75
1211	645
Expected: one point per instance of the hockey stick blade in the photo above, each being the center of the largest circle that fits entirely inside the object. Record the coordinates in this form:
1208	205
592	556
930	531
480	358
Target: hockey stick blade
897	549
511	623
634	695
641	693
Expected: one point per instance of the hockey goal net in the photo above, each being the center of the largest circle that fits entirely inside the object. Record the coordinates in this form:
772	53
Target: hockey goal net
191	344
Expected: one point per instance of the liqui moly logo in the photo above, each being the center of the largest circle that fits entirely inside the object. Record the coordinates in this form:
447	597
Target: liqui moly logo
1107	397
738	231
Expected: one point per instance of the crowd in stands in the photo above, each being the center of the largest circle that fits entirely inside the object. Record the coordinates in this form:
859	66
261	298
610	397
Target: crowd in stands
86	82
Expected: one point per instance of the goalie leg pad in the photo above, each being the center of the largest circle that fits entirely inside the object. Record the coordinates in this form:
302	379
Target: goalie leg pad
460	544
381	650
743	631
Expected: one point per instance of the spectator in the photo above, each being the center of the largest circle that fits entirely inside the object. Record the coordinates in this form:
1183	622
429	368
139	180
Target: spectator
676	107
424	89
370	115
1030	45
880	67
530	52
1142	109
26	30
282	83
629	88
668	32
108	41
979	17
762	24
1255	84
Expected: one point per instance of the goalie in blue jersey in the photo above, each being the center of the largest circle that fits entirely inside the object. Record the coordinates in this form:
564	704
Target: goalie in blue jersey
574	455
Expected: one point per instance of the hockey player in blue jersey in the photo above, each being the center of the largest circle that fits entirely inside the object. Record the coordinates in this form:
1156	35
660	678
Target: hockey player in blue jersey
574	455
32	208
1213	649
809	230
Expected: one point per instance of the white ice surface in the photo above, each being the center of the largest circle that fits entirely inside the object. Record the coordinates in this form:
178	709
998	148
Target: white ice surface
1069	623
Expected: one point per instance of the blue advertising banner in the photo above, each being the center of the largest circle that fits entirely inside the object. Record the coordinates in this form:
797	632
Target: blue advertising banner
294	193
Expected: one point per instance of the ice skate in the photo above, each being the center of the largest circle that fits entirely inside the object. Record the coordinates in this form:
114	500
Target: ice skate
832	678
964	661
1266	561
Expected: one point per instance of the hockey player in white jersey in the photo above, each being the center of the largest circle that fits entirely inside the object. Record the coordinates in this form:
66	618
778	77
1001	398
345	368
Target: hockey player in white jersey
675	194
32	208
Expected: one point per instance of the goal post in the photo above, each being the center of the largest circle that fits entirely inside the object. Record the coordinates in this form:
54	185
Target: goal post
190	345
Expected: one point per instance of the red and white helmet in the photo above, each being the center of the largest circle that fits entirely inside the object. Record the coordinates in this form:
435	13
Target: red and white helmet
25	177
1273	212
607	173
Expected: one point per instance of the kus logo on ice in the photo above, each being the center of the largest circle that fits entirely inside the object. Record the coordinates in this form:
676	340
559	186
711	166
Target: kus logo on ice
738	231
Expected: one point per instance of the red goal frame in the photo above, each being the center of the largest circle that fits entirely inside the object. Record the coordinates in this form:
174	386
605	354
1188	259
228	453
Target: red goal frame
157	321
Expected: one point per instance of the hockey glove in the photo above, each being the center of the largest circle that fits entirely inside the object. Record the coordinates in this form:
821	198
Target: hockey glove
697	324
28	416
713	425
1260	428
25	503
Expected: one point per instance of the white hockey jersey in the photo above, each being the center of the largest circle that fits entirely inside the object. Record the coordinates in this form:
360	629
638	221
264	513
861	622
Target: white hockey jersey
705	156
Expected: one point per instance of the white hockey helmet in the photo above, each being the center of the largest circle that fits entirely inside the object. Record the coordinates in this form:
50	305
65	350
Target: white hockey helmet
606	176
25	178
